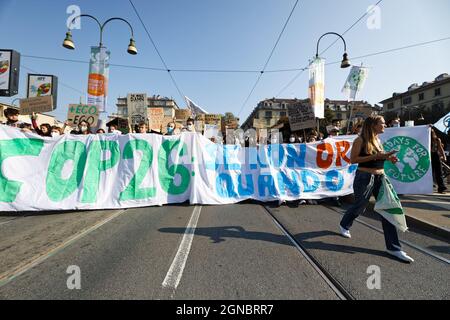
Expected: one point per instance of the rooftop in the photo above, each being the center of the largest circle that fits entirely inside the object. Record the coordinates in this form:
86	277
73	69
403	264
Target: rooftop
415	88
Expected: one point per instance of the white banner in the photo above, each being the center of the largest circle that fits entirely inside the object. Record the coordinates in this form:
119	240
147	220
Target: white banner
316	90
355	82
120	171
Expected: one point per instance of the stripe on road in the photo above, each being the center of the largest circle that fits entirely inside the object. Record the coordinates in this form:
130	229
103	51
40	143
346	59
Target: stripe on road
175	272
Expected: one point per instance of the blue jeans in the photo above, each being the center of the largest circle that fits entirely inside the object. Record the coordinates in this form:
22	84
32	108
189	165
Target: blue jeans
363	190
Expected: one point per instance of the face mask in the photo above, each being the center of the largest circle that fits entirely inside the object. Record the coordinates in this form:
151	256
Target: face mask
170	130
292	140
190	127
55	134
84	129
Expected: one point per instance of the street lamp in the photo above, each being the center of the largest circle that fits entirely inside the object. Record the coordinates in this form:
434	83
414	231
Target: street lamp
69	44
345	62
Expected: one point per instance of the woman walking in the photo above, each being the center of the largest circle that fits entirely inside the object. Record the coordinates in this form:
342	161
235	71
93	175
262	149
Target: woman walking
367	152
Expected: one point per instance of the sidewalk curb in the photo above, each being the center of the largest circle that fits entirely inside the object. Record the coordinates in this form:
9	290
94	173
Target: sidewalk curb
422	225
428	226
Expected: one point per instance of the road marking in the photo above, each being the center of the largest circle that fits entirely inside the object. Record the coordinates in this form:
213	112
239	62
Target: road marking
8	276
7	221
175	272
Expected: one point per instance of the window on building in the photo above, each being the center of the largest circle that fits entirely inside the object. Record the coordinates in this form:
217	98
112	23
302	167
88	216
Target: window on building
390	106
339	116
407	100
437	92
283	114
268	114
167	112
421	96
268	122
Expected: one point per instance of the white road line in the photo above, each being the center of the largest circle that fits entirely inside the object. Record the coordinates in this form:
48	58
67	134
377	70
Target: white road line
7	221
8	276
175	272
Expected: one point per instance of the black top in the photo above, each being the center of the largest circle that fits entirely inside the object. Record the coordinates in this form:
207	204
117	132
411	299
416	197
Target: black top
373	164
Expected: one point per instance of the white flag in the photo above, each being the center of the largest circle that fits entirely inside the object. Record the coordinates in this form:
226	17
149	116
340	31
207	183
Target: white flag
195	109
443	124
355	82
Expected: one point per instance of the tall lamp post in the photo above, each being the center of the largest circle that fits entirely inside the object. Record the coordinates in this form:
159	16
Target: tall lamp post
97	85
68	42
345	62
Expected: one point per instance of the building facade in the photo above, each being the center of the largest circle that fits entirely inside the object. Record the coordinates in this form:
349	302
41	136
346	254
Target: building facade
270	111
430	100
169	105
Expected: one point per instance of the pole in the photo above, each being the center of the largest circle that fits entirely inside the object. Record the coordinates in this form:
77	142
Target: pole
350	119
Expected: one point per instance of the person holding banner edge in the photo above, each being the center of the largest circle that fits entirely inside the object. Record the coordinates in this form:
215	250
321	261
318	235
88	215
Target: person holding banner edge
367	151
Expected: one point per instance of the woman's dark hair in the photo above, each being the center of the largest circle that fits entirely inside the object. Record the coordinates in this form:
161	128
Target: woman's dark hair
49	129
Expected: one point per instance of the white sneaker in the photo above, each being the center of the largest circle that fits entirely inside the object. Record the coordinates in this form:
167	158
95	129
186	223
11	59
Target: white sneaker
401	255
344	232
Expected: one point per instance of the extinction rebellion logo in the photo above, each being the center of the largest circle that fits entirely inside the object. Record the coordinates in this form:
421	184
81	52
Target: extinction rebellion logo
414	159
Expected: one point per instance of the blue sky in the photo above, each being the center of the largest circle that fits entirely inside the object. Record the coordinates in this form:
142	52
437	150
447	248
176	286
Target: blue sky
231	35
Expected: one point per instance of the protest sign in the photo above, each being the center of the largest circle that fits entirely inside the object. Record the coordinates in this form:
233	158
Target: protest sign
301	116
155	118
36	104
80	112
137	108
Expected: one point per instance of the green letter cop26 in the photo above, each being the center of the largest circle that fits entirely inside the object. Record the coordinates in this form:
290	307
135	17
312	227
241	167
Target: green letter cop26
88	164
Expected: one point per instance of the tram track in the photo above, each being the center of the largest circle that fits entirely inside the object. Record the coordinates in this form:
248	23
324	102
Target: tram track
335	285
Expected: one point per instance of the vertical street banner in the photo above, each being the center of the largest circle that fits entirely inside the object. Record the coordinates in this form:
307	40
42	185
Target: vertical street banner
355	82
316	91
98	78
137	108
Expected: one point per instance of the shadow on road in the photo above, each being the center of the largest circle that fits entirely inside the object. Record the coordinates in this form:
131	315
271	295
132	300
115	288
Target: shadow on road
220	234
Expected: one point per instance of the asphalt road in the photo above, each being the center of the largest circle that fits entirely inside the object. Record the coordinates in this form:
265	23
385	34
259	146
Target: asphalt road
234	252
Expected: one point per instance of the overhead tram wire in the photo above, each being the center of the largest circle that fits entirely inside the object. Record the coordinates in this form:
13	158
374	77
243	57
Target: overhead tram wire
332	44
235	70
268	59
157	51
